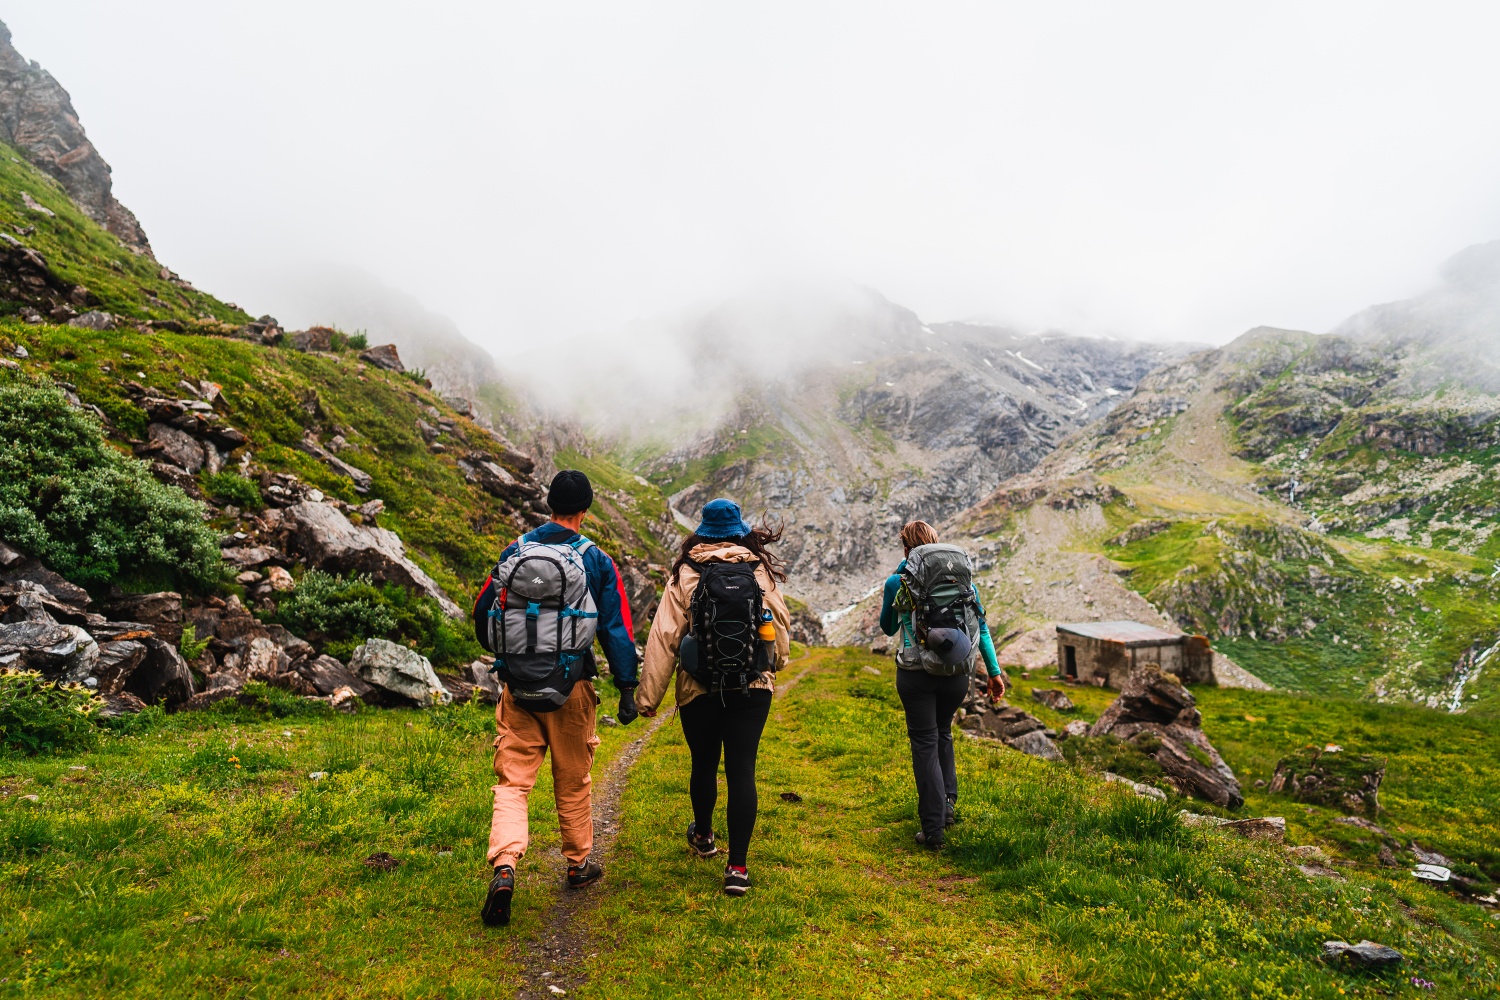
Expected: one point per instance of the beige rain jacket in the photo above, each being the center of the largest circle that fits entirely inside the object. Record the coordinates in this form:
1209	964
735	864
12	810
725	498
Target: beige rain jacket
671	624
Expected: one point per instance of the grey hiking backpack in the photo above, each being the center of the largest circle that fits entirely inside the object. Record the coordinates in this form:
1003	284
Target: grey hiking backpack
542	622
940	617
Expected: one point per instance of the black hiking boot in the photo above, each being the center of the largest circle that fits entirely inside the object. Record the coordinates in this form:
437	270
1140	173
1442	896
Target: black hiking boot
736	880
585	874
704	847
931	843
496	912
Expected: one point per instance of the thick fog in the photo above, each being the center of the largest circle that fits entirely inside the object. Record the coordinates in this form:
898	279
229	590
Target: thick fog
544	172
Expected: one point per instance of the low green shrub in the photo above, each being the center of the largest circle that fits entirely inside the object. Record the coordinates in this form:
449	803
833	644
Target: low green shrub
86	510
337	614
39	716
231	487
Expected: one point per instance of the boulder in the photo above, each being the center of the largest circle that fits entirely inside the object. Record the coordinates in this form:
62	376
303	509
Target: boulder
383	356
1365	955
314	338
329	675
162	611
1272	828
460	688
280	579
1350	782
176	446
1075	728
10	558
1156	713
29	570
120	703
263	660
250	556
399	672
93	320
117	661
1036	744
485	681
163	675
58	652
1053	699
344	700
330	541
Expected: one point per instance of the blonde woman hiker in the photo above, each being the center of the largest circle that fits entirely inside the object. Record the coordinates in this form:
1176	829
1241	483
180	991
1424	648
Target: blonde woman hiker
931	601
723	627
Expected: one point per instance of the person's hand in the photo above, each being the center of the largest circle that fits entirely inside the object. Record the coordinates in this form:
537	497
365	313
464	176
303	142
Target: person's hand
627	713
997	688
648	713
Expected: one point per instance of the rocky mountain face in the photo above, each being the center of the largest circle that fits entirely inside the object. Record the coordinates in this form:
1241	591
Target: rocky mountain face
37	118
892	419
1318	505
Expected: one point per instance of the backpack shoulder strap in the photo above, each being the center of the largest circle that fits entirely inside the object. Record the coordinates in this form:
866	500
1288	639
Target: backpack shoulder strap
582	544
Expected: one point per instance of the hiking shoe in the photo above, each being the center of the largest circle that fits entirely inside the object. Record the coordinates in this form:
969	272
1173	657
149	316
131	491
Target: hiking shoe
736	880
931	843
496	912
952	813
704	847
585	874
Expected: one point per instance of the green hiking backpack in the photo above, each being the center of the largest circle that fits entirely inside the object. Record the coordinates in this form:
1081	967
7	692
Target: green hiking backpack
940	616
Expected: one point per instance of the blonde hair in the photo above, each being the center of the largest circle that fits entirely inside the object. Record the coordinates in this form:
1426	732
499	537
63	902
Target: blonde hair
918	533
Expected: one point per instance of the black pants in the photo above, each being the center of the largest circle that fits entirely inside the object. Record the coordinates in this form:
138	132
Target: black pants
732	725
930	703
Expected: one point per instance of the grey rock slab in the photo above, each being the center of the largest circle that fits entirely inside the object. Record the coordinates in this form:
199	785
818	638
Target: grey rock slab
383	356
1366	954
177	446
163	676
400	671
1036	744
1145	791
328	675
330	541
59	652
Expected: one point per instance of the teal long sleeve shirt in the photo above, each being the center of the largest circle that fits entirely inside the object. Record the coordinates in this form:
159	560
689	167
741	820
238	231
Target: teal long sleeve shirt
890	620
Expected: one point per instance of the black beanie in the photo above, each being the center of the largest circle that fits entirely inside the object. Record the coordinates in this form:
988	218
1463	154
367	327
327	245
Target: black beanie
570	493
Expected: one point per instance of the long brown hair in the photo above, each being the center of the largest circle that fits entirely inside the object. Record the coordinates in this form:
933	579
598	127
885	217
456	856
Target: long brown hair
759	537
918	533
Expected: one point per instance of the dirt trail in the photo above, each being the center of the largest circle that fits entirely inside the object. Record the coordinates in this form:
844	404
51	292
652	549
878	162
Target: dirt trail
554	961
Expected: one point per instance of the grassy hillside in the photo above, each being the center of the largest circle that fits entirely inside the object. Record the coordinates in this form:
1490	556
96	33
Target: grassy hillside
276	396
163	869
1185	491
83	253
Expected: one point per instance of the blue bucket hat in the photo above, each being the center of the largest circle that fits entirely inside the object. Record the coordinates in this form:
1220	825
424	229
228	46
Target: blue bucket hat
722	520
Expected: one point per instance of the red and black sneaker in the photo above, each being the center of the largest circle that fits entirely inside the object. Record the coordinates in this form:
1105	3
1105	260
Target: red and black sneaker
585	874
702	846
736	880
496	912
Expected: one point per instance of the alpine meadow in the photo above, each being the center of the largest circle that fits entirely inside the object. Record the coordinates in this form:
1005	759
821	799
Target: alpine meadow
1060	665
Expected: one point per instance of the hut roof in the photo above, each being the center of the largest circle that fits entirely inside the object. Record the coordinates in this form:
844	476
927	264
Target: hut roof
1129	633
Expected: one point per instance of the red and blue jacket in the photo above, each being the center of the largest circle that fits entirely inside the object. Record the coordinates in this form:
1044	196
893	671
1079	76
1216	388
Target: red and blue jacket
616	631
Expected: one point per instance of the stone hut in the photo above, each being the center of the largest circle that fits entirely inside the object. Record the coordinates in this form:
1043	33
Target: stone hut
1105	653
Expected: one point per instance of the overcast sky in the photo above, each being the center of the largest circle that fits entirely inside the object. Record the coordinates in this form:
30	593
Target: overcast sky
544	169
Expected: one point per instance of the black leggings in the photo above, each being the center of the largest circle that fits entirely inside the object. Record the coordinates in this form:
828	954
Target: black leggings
930	703
733	725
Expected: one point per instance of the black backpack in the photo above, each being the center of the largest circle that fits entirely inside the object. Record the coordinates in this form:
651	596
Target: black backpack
722	650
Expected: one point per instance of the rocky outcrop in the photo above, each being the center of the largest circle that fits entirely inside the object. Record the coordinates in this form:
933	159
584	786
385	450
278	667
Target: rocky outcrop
1159	716
1331	777
1017	729
37	117
399	673
383	356
328	540
58	652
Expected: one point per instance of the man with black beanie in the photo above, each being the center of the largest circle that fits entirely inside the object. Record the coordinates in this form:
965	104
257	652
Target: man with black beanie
525	737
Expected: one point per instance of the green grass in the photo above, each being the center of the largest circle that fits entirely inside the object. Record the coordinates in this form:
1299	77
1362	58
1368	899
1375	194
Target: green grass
1054	884
196	857
83	253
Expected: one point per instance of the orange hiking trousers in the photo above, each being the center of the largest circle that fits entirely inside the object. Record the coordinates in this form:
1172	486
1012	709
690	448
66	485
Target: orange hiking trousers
524	739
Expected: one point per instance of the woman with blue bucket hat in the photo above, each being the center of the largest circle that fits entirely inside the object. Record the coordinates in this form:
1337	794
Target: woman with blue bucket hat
931	601
723	627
